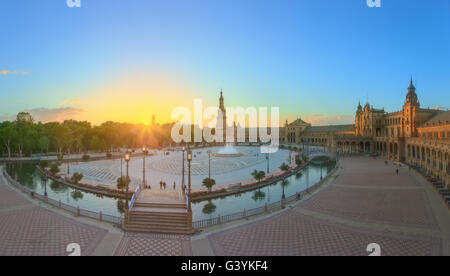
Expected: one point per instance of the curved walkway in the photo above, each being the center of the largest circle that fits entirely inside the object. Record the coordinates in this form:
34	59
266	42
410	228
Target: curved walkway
366	202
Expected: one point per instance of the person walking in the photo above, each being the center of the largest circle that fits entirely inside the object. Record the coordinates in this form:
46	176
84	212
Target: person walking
396	171
174	185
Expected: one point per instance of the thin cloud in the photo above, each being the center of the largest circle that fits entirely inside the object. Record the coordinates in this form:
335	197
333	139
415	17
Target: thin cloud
46	115
8	72
71	101
323	120
439	107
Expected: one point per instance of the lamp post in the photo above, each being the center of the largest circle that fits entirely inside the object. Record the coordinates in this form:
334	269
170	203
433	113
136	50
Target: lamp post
45	185
68	169
144	182
320	171
182	170
209	164
267	158
121	167
127	159
189	159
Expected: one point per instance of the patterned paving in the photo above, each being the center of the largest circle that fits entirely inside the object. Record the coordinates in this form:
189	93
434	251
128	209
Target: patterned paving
137	244
367	192
292	233
38	231
395	207
9	198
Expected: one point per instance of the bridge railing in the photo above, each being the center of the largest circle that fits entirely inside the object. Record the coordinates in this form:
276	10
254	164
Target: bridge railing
134	197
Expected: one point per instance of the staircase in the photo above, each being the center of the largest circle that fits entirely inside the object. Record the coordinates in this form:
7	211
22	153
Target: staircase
159	212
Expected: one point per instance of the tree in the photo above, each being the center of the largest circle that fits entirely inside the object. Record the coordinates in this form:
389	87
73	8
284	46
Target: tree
258	175
7	135
44	143
76	177
284	167
298	162
208	183
304	157
122	182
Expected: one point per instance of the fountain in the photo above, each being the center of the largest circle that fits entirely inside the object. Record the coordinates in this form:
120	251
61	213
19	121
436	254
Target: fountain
227	151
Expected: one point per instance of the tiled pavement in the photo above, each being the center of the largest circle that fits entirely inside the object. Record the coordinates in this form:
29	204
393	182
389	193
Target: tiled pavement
136	244
291	233
367	203
27	229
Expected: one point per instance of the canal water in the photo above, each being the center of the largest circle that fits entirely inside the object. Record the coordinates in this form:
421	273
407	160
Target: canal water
27	175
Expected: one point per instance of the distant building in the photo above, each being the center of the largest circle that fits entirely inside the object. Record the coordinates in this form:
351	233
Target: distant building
415	135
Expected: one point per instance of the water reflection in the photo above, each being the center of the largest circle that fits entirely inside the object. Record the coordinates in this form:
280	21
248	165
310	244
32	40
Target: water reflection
258	195
27	175
257	198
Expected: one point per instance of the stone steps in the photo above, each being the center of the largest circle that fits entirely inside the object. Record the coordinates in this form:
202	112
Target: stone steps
161	217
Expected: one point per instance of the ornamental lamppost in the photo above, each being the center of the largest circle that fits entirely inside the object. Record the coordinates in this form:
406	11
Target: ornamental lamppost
127	159
209	164
145	152
189	159
45	185
182	170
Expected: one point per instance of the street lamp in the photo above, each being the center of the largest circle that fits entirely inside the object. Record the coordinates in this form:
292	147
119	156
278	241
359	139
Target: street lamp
182	170
267	158
144	151
189	159
209	164
45	185
127	159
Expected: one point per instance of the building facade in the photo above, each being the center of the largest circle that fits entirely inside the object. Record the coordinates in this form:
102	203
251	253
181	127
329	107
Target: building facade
413	135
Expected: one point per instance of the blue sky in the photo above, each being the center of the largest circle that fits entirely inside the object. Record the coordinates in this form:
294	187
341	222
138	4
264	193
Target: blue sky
312	58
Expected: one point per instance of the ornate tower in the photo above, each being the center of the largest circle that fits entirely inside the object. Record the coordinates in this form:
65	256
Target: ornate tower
223	113
410	110
358	119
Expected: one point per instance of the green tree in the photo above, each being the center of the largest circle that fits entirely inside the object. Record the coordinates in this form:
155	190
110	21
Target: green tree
8	134
258	175
122	182
76	177
208	183
284	167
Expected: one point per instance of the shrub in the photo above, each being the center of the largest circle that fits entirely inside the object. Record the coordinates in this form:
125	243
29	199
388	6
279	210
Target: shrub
122	182
76	177
108	155
54	169
85	157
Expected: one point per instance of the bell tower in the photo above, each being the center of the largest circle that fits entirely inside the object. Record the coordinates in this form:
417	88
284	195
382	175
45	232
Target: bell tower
410	109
